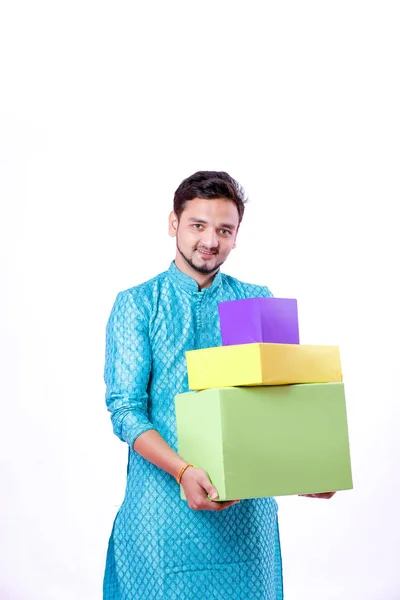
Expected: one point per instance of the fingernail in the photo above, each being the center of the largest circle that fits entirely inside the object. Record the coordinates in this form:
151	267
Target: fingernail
214	495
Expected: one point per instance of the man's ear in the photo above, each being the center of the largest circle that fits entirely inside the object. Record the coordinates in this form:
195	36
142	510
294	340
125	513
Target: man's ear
173	222
236	234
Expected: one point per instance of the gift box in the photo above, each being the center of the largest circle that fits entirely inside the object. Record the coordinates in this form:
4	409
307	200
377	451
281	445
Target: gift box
262	364
267	441
268	320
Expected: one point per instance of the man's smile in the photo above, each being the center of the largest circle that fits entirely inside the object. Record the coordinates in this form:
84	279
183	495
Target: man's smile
206	253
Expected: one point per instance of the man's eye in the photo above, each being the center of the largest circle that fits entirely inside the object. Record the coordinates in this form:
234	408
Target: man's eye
197	225
225	232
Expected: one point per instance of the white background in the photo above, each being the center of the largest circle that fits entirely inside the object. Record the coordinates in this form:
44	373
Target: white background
104	109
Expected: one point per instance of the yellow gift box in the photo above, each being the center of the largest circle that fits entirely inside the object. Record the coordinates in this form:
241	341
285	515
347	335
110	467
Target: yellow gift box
262	364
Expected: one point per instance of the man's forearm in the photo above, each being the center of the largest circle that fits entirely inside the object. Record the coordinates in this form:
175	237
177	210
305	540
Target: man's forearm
155	449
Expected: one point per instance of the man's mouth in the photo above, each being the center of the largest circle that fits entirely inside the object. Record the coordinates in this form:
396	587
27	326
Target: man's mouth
206	252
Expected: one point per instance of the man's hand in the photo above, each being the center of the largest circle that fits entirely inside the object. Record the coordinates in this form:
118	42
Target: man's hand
325	495
197	487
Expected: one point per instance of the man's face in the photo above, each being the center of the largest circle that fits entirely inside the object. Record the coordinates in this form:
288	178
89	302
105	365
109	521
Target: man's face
206	233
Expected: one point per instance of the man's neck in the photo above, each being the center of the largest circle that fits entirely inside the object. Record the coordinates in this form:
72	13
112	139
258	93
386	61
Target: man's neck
203	280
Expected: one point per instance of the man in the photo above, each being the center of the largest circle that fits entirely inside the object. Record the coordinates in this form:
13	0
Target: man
162	547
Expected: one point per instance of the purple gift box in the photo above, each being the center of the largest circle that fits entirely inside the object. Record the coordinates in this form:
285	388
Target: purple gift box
255	320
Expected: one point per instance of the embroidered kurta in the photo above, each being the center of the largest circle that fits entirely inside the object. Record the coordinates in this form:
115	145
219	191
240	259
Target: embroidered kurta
160	548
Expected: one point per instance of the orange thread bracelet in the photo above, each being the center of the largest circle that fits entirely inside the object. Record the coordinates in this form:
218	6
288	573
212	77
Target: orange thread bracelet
181	471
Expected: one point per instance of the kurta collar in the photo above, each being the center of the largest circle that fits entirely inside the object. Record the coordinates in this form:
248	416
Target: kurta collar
187	283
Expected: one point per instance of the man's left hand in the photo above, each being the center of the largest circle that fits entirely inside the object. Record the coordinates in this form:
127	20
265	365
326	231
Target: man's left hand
325	495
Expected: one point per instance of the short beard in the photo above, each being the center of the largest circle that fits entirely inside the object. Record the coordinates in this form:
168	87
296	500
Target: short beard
203	270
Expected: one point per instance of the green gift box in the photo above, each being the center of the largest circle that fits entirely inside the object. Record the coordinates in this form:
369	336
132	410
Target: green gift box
267	441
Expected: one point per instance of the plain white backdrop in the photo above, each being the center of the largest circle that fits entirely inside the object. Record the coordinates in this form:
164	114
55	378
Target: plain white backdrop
104	109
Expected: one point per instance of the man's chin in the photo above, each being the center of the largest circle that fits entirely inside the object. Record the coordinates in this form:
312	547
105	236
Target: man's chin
201	265
205	269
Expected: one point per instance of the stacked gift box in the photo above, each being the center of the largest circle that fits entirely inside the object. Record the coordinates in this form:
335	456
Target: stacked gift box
268	414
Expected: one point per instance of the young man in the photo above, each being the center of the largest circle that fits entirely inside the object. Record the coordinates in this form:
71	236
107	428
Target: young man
162	547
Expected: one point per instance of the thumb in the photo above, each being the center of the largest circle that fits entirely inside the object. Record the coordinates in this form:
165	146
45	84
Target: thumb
209	488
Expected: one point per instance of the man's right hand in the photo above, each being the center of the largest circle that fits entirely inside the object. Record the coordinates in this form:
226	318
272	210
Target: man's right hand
197	487
195	482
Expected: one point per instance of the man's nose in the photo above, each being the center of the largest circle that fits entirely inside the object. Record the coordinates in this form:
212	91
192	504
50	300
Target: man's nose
210	238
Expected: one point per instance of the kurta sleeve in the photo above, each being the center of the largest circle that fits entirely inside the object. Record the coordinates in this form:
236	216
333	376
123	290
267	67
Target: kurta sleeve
257	291
265	292
127	368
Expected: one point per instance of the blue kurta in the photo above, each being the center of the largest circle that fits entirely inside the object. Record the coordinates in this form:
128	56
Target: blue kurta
159	547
